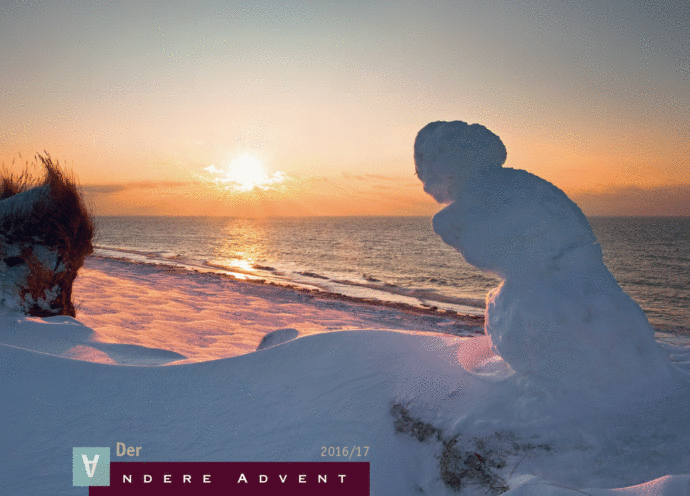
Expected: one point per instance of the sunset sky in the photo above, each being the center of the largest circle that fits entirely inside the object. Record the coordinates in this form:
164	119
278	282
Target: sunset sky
312	107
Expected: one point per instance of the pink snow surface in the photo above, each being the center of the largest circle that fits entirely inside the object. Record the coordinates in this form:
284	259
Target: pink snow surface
207	316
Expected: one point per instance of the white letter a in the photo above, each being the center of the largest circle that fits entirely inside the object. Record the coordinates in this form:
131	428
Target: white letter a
92	464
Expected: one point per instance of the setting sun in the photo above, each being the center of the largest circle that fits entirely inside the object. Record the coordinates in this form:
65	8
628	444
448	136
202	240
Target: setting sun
244	173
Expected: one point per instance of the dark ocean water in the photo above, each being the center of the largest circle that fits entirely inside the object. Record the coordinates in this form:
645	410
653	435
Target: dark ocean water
397	259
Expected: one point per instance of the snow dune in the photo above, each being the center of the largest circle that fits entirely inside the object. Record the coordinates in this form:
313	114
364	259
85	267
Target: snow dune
351	377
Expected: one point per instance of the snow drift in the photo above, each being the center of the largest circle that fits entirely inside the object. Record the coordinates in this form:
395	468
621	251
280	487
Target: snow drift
288	401
559	313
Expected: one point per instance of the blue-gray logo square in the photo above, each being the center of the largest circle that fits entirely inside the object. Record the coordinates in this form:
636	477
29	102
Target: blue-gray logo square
90	466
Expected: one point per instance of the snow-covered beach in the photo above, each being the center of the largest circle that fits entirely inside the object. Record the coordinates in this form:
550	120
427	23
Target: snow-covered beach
357	375
567	392
443	247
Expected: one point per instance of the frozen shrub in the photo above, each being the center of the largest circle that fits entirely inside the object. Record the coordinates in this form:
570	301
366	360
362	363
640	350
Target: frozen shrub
45	235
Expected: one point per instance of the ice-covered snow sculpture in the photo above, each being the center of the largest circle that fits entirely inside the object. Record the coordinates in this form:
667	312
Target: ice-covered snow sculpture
45	235
559	313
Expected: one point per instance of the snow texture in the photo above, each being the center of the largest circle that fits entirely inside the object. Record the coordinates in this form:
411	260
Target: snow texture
22	204
559	313
322	389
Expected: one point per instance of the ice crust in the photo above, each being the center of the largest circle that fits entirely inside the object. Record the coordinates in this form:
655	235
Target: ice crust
559	313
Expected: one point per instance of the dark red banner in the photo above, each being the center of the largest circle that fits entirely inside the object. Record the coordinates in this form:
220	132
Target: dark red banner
236	478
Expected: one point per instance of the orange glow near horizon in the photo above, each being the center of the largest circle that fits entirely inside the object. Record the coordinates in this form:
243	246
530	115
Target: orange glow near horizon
316	196
240	185
222	109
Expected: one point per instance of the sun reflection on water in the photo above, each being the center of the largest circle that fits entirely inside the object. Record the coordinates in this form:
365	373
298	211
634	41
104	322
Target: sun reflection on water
244	243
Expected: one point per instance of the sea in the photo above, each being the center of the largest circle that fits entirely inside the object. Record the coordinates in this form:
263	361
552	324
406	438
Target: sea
395	259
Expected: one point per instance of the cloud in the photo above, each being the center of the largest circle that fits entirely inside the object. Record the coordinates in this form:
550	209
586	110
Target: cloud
354	176
112	189
660	201
103	189
243	174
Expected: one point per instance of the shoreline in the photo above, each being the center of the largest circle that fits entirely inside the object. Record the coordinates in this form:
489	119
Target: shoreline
235	314
410	264
467	324
206	316
429	310
308	280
